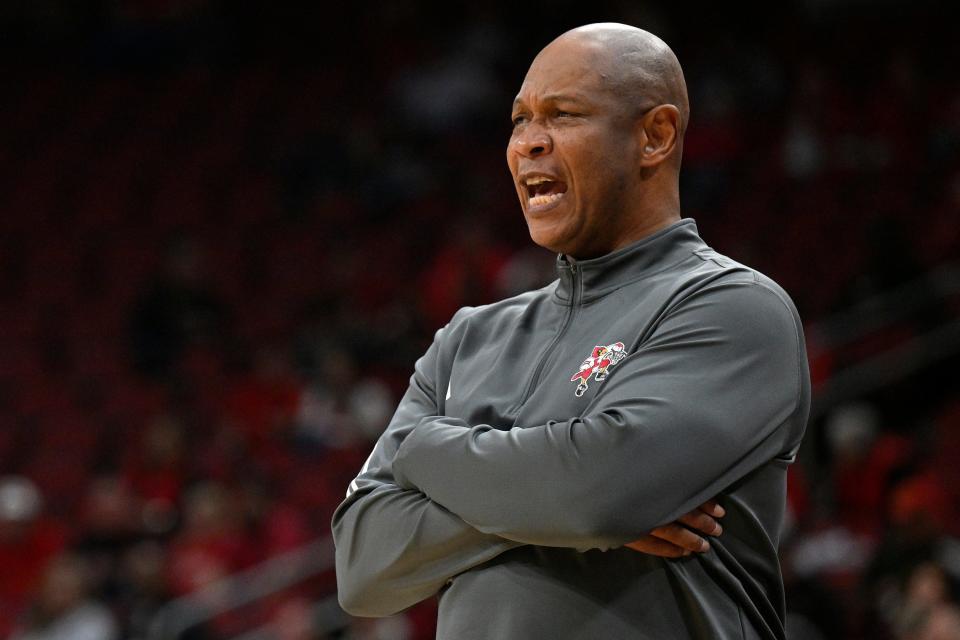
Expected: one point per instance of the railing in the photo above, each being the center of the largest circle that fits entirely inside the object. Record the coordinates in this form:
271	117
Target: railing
887	367
899	361
267	578
888	307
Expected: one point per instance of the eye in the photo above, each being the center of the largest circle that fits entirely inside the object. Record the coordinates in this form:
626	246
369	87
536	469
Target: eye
519	120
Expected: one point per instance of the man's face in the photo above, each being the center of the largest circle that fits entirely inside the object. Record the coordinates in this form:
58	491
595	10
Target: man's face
573	153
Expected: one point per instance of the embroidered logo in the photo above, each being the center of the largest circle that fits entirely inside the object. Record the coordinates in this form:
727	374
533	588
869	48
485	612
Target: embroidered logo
598	365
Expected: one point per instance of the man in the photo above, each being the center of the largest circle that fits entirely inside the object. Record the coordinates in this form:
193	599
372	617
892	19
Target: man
543	436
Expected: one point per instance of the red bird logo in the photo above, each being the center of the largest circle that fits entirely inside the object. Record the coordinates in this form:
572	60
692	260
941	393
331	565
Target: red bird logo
598	364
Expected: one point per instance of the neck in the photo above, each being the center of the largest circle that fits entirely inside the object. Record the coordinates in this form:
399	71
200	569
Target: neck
639	228
645	225
658	198
658	208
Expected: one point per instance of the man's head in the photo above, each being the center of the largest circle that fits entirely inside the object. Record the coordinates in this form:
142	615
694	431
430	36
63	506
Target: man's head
596	145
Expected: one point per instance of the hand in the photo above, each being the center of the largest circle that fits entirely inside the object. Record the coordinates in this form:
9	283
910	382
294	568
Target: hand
680	538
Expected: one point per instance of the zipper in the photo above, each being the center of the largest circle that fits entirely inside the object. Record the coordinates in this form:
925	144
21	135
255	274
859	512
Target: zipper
567	321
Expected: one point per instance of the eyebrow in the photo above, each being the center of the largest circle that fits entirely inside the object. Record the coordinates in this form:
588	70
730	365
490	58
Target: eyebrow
555	97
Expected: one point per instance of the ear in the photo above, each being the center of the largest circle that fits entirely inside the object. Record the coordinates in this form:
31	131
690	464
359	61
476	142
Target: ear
658	134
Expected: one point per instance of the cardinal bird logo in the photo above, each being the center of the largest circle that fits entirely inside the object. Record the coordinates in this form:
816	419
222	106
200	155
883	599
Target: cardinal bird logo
598	365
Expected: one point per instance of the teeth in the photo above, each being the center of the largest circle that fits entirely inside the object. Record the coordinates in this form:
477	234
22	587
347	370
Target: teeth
536	201
537	180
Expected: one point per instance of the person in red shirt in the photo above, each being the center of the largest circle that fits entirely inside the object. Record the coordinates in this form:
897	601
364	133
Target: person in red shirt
28	541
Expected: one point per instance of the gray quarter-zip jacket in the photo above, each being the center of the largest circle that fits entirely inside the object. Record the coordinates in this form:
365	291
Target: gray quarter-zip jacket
541	433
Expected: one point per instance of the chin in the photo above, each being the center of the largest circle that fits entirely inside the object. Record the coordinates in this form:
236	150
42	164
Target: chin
546	237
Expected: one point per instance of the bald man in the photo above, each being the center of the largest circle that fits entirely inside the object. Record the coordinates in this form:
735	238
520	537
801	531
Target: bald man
551	445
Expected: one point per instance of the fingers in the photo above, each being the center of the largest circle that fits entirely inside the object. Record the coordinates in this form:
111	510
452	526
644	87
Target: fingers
701	523
685	536
713	508
681	537
654	546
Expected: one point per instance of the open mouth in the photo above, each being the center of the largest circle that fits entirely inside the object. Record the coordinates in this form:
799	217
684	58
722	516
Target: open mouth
542	191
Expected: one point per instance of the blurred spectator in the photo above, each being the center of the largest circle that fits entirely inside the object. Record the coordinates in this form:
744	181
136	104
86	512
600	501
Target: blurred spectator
262	405
941	623
143	587
63	610
211	543
371	405
110	524
28	542
863	460
920	504
341	409
905	580
156	468
925	592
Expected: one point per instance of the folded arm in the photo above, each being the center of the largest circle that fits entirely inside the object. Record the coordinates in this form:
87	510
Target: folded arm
709	397
394	546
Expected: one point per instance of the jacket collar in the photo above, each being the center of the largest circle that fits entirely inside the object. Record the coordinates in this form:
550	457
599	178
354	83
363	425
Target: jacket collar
656	252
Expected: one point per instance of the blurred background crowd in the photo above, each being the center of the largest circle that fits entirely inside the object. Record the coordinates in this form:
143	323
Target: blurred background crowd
226	233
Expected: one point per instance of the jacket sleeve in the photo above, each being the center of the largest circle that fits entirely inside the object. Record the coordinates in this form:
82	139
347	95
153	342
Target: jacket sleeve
394	546
718	389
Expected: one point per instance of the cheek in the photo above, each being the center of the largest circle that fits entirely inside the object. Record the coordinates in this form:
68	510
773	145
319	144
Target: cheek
590	171
511	156
606	164
588	151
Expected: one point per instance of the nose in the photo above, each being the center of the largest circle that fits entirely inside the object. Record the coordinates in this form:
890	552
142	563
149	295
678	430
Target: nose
533	141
